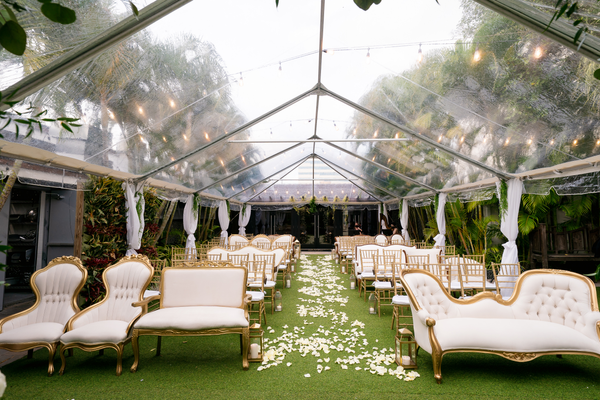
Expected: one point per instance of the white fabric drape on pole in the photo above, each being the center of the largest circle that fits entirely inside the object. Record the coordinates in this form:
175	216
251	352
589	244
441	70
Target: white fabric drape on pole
244	219
404	221
440	217
190	222
510	226
383	211
223	219
134	199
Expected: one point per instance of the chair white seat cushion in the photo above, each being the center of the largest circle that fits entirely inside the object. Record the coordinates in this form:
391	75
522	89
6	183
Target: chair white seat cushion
107	331
282	267
269	284
40	332
511	335
382	285
194	318
150	293
401	300
256	296
366	274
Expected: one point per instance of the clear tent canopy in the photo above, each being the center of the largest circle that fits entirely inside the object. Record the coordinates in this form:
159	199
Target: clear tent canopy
266	105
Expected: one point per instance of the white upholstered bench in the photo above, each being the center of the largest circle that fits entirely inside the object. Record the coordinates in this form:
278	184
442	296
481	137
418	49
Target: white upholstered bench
550	312
197	301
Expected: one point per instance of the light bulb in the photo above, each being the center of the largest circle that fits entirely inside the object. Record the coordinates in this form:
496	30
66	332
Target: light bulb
477	54
280	70
419	54
241	80
538	52
368	56
172	103
335	126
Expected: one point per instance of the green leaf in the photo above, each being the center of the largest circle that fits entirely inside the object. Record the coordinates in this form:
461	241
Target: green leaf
578	34
571	10
577	22
7	14
134	9
22	121
276	3
366	4
66	127
45	1
13	38
57	13
597	74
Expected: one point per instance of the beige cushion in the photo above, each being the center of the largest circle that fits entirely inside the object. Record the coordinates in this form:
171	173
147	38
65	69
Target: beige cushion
43	332
193	318
432	253
108	331
185	287
256	296
513	335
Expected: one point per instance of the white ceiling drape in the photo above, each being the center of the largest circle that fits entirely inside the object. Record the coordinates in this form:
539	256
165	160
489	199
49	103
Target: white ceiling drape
134	200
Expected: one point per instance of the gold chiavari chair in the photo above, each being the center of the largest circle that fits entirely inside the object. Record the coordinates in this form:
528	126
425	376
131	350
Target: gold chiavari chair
384	278
256	284
346	252
270	275
474	275
261	242
449	250
182	254
368	259
237	259
214	257
417	260
402	314
283	269
397	239
505	278
381	240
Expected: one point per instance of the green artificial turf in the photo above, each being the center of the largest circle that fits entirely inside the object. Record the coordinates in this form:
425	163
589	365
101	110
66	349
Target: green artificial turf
211	367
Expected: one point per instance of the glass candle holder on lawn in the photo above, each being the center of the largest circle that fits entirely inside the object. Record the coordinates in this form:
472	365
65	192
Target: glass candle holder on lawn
372	304
288	281
256	343
278	301
352	282
406	349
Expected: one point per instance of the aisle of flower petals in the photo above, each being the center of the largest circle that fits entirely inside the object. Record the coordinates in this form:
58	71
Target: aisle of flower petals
336	342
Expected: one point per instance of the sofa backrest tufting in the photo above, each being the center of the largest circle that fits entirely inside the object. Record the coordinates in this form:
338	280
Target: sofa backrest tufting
559	298
220	286
431	296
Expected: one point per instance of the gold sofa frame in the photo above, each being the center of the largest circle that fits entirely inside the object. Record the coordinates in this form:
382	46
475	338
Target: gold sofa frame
438	353
244	332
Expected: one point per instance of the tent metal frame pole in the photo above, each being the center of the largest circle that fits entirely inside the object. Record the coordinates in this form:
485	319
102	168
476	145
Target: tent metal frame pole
90	49
232	133
416	135
370	193
386	169
559	31
294	165
248	167
335	167
272	175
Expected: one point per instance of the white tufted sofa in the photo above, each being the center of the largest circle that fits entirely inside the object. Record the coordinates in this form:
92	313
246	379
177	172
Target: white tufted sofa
56	288
107	324
550	312
197	301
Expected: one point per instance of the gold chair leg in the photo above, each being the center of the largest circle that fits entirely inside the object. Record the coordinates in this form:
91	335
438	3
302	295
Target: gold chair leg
245	344
120	359
158	345
29	354
51	352
136	350
63	361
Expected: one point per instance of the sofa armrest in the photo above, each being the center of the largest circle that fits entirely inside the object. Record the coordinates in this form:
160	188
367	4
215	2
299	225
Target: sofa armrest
144	303
423	316
592	325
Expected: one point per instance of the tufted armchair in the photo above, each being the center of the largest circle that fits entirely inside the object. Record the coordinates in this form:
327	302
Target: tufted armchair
549	312
56	288
108	323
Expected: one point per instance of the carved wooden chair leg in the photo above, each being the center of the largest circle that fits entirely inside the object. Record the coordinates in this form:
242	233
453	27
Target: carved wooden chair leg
51	352
158	345
120	359
101	352
63	361
136	351
245	344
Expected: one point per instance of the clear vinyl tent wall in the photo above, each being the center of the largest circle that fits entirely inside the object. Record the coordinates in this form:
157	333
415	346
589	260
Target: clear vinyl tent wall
250	116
